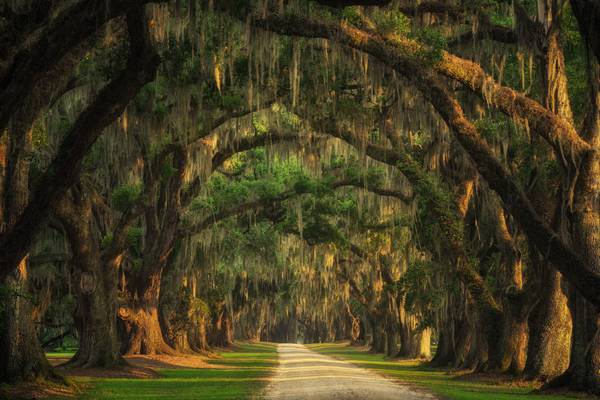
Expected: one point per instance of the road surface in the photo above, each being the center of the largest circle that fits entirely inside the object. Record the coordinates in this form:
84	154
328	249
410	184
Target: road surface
304	374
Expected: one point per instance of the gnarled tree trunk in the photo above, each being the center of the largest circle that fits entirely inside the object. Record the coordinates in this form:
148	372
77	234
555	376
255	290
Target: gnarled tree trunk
550	330
96	288
141	332
22	355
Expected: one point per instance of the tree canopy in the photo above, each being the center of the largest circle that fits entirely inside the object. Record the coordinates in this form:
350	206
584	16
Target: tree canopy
176	175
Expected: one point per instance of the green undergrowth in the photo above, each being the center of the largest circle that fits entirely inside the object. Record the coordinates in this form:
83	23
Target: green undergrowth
239	373
442	383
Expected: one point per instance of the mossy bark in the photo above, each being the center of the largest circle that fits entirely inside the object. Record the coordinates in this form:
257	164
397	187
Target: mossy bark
550	330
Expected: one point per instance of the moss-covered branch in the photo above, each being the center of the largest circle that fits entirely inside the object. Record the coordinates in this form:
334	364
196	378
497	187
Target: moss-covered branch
402	56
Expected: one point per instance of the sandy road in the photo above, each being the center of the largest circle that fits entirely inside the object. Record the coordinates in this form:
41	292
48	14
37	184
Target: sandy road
304	374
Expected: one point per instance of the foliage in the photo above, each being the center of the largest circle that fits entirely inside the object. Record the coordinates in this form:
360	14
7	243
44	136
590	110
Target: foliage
125	196
391	22
106	240
421	294
134	237
434	41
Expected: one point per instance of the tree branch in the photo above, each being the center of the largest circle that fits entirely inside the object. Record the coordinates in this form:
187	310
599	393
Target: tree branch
400	55
64	169
73	26
375	189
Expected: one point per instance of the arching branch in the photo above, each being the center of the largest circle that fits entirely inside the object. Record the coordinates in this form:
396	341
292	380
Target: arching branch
398	194
64	169
252	142
69	29
217	123
401	56
238	146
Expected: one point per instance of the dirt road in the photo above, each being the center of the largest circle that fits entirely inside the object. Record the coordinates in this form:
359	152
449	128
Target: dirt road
304	374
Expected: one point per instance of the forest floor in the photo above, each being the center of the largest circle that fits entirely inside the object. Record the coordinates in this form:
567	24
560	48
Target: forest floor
306	375
445	384
237	373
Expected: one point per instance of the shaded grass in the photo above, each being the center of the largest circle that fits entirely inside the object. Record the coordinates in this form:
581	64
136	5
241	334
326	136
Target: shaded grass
440	382
237	374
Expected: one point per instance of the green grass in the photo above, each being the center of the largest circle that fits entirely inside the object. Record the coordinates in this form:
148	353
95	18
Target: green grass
62	352
437	381
239	374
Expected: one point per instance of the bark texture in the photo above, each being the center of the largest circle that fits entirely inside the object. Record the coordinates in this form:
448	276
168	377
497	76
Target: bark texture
96	289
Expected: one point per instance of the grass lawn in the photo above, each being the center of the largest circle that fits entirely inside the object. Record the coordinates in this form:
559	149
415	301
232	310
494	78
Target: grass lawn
238	374
437	381
64	352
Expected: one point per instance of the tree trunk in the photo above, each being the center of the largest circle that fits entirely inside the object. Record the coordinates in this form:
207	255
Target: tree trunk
221	334
515	335
584	365
96	290
140	317
141	331
550	330
445	354
22	355
198	336
378	336
585	349
550	322
414	342
176	337
476	336
361	338
22	358
95	319
391	342
356	328
143	334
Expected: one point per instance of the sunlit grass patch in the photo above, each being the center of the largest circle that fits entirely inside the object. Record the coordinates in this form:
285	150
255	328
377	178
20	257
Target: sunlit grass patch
238	374
62	352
